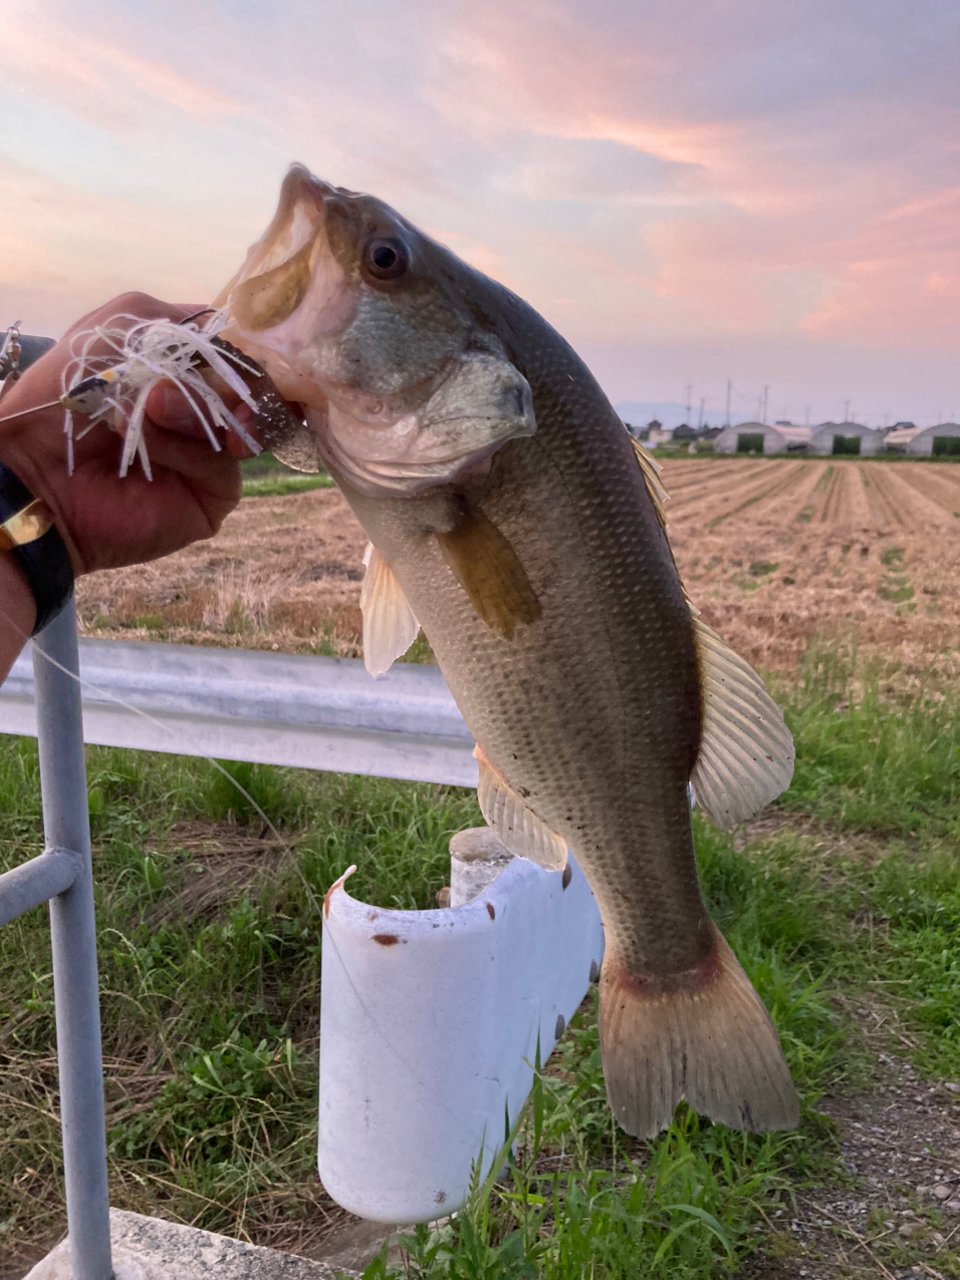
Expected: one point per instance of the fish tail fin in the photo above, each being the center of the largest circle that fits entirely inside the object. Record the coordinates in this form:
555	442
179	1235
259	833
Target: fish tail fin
702	1036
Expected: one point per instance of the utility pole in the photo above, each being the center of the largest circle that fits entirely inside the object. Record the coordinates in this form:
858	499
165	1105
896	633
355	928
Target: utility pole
763	419
729	389
846	410
689	390
703	400
808	415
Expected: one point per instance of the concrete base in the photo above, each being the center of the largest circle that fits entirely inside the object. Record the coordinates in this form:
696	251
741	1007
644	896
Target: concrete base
150	1249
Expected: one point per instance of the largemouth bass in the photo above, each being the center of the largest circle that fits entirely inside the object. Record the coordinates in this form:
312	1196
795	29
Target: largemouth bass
511	517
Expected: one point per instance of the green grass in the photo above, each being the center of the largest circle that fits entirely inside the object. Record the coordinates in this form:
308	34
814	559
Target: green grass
870	754
210	957
264	464
266	477
280	486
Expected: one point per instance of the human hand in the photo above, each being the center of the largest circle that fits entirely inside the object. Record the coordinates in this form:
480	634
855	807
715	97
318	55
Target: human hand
104	521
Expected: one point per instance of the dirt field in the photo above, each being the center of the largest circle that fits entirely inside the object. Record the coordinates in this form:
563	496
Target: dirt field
776	551
773	551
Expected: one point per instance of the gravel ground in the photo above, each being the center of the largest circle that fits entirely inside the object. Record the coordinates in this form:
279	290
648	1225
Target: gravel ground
896	1212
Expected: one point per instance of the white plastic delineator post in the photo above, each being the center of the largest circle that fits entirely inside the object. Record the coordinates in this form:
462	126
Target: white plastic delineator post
429	1025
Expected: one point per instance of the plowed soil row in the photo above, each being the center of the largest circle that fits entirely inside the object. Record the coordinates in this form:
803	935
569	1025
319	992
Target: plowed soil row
774	551
839	549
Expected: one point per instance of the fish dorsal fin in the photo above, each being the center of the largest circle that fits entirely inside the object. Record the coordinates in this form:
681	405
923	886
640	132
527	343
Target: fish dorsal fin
389	624
518	828
746	751
650	470
488	568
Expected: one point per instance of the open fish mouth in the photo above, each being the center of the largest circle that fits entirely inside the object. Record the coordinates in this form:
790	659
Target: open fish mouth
347	308
291	291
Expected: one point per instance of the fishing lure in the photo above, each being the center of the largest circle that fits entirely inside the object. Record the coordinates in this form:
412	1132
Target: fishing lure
136	359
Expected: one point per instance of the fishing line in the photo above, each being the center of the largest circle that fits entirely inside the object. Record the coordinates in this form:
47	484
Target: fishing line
34	408
285	845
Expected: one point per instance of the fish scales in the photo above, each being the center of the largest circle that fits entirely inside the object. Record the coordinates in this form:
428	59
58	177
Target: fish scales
565	704
510	519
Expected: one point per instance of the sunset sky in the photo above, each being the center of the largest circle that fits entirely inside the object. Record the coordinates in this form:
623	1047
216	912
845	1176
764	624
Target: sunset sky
765	190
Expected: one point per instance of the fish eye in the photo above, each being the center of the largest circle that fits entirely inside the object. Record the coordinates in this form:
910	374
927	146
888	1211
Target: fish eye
386	258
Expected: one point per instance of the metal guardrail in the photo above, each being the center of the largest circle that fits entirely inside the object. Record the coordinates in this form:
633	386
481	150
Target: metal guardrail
318	713
270	708
64	875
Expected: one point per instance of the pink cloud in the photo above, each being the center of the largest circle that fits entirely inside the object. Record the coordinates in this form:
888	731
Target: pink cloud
830	214
56	58
58	263
896	278
782	174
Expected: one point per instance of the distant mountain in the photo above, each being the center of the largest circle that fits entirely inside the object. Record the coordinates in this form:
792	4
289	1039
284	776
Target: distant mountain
668	413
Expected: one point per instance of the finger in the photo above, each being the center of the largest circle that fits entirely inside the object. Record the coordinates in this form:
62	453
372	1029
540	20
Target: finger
42	381
141	305
235	445
192	459
167	407
82	353
170	410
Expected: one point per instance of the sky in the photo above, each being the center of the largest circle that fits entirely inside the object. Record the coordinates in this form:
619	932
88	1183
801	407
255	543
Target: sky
720	189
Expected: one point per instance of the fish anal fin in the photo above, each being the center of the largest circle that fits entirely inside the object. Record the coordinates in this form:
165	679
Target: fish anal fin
702	1036
746	750
488	568
518	828
268	299
389	624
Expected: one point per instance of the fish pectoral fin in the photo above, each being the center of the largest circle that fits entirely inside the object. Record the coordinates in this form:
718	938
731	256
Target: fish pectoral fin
389	624
702	1036
650	470
746	750
518	828
488	568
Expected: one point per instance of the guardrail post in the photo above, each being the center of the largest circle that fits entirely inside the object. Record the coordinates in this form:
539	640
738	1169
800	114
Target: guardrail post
74	944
